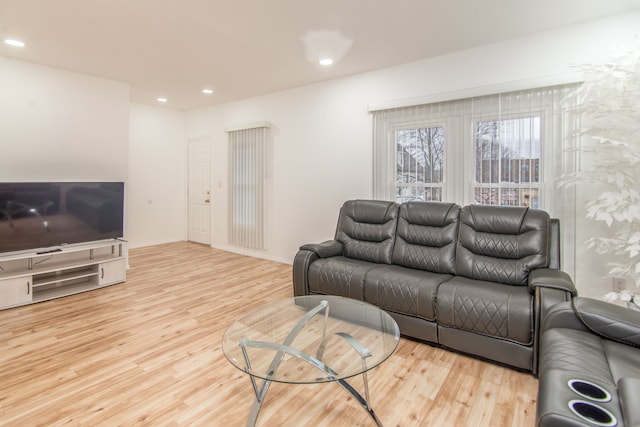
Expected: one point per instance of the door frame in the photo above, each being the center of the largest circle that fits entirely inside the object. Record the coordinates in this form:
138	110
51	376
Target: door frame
206	139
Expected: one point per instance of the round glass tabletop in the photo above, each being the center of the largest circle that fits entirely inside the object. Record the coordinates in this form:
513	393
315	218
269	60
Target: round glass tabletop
311	339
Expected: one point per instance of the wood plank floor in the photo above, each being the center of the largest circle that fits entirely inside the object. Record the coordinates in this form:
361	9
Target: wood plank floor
147	352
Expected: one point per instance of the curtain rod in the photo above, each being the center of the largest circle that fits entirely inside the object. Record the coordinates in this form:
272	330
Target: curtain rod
254	125
513	86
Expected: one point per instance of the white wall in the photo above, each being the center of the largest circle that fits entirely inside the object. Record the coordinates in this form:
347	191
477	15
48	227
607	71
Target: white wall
322	151
156	184
58	125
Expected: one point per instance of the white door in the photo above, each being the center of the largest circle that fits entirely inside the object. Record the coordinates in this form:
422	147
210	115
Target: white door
199	182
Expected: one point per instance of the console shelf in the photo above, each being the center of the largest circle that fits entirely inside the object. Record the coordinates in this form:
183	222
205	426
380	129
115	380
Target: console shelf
49	279
31	277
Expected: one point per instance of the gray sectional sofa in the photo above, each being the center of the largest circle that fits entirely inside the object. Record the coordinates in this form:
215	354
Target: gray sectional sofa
476	279
589	366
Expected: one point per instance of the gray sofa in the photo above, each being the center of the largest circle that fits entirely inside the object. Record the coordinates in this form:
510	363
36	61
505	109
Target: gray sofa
476	279
589	366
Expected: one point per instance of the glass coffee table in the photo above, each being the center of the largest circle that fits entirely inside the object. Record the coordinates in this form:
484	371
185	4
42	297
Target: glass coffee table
310	339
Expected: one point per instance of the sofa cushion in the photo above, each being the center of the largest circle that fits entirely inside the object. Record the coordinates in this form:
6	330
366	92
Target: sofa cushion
574	351
403	290
426	236
502	244
367	228
586	353
338	276
629	390
486	308
624	360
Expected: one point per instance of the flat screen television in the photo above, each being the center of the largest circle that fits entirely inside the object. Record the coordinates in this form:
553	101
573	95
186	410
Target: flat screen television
41	215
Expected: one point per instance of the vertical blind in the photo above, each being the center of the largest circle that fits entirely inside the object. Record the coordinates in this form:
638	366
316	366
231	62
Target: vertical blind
247	160
504	149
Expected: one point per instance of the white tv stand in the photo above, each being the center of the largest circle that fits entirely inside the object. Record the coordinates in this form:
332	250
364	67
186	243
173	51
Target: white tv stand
31	277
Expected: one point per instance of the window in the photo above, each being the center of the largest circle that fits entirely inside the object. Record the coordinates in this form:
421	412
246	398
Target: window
502	149
419	163
247	161
505	151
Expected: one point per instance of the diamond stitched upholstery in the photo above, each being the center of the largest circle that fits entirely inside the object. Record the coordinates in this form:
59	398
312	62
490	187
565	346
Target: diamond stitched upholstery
486	308
575	351
338	276
502	244
465	290
426	236
403	290
367	229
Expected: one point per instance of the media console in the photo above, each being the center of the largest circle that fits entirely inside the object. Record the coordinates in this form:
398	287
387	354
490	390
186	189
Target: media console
31	277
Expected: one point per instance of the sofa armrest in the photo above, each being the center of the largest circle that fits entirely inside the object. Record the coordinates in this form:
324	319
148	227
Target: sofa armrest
325	249
301	263
562	316
549	287
609	321
551	278
306	255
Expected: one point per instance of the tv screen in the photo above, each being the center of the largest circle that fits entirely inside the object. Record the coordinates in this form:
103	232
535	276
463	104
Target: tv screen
38	215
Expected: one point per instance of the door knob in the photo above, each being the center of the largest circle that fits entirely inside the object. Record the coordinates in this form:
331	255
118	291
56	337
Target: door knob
207	200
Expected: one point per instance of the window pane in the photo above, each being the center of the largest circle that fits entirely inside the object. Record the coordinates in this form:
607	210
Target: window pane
507	162
419	162
507	196
407	193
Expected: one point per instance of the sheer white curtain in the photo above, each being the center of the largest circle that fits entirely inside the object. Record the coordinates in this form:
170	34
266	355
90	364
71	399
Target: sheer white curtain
504	149
247	169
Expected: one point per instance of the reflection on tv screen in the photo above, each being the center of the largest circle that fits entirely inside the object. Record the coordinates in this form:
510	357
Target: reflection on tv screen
40	215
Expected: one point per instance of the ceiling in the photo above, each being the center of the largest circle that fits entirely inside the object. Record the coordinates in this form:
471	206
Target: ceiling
245	48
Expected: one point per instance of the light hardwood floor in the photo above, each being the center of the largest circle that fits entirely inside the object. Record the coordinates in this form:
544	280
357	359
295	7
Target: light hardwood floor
147	352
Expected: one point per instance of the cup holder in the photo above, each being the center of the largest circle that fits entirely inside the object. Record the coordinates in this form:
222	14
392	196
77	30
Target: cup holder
589	390
592	413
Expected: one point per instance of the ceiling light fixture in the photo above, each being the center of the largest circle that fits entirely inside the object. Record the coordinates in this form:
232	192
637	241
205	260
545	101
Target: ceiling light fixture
161	99
325	47
207	91
13	42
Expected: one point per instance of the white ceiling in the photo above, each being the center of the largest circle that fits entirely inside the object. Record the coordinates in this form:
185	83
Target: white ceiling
244	48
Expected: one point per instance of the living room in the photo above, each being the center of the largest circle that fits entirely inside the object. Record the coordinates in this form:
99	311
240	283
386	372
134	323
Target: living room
61	125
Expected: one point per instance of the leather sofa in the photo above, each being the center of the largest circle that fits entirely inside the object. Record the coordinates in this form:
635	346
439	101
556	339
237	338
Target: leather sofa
475	279
589	373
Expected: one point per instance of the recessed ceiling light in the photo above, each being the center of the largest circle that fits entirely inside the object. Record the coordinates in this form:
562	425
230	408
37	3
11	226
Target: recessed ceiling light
16	43
207	91
326	61
161	99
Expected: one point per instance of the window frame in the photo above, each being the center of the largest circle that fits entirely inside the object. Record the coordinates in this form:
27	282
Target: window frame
560	137
471	184
460	187
420	124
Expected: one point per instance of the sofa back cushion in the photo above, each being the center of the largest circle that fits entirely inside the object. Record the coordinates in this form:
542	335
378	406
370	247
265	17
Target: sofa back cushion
502	244
426	236
367	228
